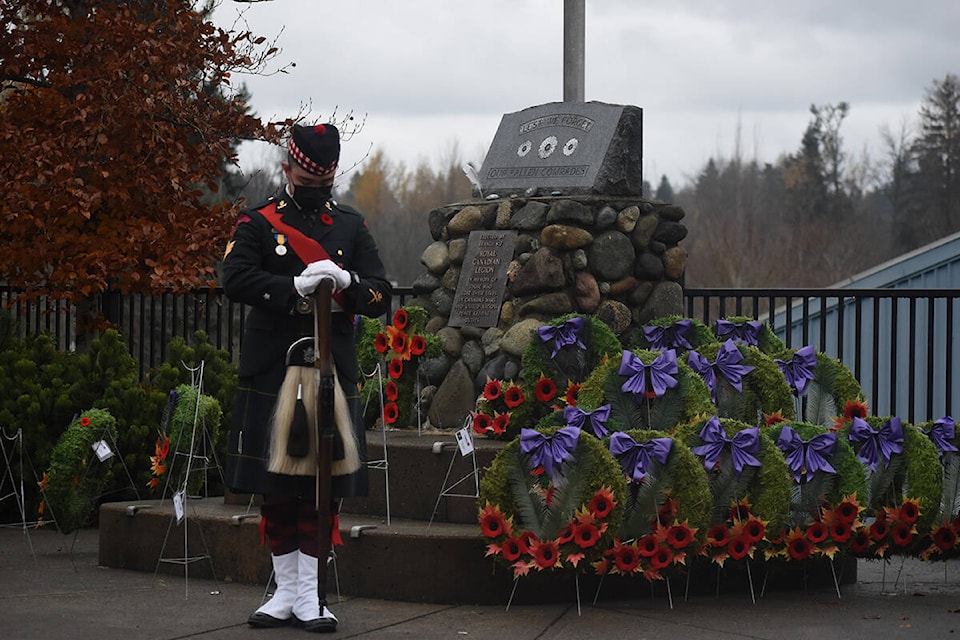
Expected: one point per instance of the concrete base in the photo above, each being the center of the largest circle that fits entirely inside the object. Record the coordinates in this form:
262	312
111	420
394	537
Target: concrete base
412	559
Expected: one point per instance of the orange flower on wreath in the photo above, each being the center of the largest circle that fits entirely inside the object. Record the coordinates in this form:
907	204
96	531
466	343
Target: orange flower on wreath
399	342
944	538
626	557
546	554
573	392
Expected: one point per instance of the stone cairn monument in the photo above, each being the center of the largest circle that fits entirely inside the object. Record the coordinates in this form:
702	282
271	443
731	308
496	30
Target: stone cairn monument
558	226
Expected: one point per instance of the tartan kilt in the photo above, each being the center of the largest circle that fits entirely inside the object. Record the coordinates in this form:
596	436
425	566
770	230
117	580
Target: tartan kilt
249	442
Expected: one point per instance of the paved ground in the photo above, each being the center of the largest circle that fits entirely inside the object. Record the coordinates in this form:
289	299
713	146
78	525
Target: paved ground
52	589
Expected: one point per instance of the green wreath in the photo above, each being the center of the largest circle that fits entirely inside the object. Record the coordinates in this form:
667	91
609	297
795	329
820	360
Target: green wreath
767	340
912	474
765	390
570	363
950	463
827	395
532	521
823	488
767	488
680	404
701	334
75	480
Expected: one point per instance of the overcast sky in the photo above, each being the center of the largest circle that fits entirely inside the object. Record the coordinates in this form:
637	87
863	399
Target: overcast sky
429	74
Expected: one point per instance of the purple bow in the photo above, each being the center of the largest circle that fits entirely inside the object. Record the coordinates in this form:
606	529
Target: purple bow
661	373
550	452
669	337
563	334
877	444
577	417
635	457
743	446
941	433
746	332
727	364
810	456
799	369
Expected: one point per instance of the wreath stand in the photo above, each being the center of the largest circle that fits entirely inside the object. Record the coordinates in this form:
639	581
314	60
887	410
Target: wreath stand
465	445
383	463
576	582
180	496
16	441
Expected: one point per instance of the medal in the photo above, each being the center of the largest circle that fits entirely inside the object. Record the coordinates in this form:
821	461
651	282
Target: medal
281	248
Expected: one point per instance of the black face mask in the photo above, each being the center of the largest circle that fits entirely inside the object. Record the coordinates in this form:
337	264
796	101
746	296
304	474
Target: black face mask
311	197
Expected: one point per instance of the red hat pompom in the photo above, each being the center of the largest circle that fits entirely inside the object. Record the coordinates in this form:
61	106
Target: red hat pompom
320	129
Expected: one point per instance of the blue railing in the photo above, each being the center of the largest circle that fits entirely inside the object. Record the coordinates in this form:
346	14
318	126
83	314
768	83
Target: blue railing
897	342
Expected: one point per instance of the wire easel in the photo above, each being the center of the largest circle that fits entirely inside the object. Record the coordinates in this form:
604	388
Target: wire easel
179	497
382	464
465	445
16	441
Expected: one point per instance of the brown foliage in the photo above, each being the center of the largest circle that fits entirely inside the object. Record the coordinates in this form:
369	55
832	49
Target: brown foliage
116	116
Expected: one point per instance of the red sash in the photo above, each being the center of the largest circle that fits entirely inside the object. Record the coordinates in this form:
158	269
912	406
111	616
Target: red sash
306	248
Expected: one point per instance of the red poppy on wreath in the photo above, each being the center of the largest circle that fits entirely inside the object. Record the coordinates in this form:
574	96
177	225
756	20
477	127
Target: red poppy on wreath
395	368
861	540
817	532
573	391
381	343
512	549
399	342
390	412
680	535
739	547
400	319
392	391
851	409
545	389
798	546
902	534
481	423
546	554
500	423
492	390
418	345
492	522
647	545
586	535
773	418
565	534
513	397
602	503
840	531
944	537
910	510
879	530
740	511
754	529
718	535
662	558
626	557
847	510
84	421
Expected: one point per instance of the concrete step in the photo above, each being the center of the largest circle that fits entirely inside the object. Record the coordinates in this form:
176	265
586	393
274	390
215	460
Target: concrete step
409	557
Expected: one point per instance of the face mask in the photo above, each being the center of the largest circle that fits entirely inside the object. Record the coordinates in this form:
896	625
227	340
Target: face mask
311	197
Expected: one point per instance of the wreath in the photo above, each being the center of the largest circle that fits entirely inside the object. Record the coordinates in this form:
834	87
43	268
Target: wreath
76	477
823	467
944	436
646	390
901	464
748	331
674	332
551	499
822	386
745	383
741	467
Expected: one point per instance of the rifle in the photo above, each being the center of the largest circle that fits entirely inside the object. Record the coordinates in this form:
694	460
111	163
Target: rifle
325	426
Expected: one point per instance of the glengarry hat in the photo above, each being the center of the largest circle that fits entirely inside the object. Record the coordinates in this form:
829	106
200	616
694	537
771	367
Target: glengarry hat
315	148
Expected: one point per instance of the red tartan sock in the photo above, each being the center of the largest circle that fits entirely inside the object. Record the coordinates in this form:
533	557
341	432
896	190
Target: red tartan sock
279	522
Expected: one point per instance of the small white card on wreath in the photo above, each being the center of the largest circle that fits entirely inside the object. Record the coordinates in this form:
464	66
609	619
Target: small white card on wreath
178	506
464	441
103	450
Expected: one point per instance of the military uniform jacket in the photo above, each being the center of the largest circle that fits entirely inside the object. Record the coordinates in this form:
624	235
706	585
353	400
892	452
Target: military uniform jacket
258	270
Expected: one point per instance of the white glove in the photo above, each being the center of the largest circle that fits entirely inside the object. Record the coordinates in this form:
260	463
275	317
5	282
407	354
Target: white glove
311	276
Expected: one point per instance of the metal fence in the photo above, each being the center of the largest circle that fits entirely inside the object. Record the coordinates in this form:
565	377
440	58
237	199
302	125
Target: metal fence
897	342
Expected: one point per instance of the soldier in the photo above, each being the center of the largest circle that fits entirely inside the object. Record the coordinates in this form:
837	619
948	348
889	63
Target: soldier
277	256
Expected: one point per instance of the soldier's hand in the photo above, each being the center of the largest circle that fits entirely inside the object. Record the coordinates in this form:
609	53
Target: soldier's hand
327	269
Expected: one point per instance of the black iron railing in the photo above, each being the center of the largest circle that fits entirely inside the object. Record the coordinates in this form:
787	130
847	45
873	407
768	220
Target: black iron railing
897	342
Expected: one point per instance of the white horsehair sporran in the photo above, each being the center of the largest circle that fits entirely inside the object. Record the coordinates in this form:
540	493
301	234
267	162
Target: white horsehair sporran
293	426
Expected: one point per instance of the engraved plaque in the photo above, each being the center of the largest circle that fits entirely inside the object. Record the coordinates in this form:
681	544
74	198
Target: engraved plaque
483	278
570	147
